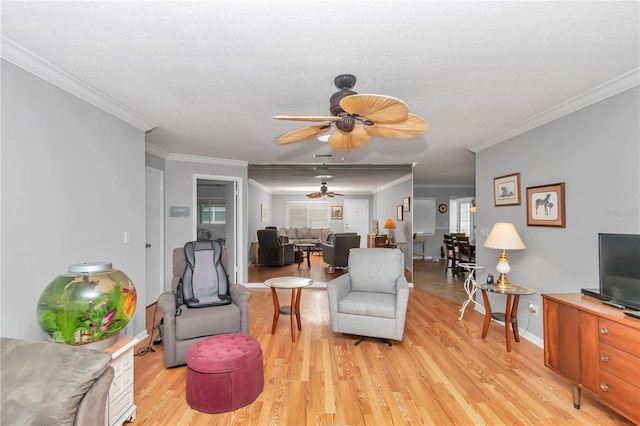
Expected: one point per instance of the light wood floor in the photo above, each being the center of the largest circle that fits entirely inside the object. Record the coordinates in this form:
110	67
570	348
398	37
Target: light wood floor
441	373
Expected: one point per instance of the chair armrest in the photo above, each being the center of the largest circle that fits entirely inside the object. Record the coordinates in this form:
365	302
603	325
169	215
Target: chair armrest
402	300
240	296
337	288
167	303
239	293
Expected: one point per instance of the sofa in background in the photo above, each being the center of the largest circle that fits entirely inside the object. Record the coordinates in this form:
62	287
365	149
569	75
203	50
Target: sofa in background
315	236
47	383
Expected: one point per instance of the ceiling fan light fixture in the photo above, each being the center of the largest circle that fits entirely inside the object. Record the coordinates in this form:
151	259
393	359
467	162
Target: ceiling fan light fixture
345	81
346	123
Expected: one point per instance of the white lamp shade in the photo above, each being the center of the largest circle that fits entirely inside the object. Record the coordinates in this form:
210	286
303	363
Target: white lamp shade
503	236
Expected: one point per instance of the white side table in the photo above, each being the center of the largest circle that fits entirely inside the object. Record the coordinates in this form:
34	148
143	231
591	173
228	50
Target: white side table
469	285
120	407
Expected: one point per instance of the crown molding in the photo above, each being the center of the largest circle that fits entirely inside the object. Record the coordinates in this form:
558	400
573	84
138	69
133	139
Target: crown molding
156	151
29	61
619	84
444	185
259	186
207	160
394	183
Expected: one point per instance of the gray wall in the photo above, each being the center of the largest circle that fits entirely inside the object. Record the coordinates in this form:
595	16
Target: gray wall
73	180
443	195
596	152
179	191
386	203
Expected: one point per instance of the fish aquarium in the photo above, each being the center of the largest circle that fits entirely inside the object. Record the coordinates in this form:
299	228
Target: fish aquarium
88	305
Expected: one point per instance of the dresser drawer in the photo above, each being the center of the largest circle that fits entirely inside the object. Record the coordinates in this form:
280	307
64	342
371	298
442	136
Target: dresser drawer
619	394
620	336
620	363
120	405
123	377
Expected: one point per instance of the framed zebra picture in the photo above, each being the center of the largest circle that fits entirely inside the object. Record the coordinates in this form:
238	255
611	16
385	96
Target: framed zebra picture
545	205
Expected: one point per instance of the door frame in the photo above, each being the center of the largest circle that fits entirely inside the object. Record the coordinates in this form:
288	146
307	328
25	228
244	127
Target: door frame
161	233
236	273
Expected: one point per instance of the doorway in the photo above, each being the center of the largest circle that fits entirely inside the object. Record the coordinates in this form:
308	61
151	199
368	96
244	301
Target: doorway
154	201
356	218
217	207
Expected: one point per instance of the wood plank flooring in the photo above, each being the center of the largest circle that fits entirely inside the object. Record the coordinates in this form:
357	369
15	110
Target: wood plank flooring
442	373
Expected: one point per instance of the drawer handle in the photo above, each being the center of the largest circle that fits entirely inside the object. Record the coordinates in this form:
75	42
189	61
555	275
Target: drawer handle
605	358
604	387
604	330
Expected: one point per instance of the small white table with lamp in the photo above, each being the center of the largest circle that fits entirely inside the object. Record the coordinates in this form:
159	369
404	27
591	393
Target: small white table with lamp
503	236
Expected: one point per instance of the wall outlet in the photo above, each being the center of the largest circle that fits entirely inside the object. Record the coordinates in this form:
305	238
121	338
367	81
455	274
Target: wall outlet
533	308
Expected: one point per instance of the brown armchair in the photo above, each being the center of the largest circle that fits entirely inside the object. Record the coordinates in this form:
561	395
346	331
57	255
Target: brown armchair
336	252
272	251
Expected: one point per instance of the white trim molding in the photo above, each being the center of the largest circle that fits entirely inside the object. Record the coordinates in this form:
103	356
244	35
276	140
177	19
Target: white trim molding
619	84
207	160
29	61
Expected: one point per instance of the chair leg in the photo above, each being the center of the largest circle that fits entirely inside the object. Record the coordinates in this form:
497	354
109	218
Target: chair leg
385	341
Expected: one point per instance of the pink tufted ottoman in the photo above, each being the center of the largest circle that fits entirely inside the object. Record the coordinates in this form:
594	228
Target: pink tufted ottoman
224	373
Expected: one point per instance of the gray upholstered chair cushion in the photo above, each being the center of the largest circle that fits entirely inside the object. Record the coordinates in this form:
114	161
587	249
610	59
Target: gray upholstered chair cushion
379	273
381	305
43	383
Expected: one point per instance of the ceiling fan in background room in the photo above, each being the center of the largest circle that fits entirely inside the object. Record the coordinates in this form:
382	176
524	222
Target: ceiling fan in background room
358	118
323	192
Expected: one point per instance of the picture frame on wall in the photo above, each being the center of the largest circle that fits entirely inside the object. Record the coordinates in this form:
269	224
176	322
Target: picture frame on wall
336	212
545	205
263	212
400	215
506	190
406	204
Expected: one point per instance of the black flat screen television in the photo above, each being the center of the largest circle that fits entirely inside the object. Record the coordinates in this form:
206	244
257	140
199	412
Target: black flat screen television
619	256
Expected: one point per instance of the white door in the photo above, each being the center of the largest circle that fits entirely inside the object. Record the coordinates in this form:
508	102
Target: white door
356	218
154	230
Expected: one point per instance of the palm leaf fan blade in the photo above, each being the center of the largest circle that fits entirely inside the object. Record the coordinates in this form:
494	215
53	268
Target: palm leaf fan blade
316	118
376	108
413	126
303	134
347	141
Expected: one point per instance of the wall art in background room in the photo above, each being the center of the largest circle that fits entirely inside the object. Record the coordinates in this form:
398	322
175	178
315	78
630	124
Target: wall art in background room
506	190
263	212
406	203
400	215
545	205
336	212
178	211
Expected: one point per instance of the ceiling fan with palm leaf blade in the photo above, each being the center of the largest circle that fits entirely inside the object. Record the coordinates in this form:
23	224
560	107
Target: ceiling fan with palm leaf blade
323	192
358	118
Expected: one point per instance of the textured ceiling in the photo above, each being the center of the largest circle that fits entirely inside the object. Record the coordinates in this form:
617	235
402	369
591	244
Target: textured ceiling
212	74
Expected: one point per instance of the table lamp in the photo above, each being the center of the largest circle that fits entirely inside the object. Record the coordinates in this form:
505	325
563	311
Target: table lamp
389	225
503	236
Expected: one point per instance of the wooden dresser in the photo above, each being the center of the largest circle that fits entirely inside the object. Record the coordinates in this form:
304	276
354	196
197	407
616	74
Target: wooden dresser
596	348
374	240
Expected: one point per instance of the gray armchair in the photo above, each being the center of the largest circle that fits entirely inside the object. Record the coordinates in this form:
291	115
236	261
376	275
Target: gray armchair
336	252
183	327
371	299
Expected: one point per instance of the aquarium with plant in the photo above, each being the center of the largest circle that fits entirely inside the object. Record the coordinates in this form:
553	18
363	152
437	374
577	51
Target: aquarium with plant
89	304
